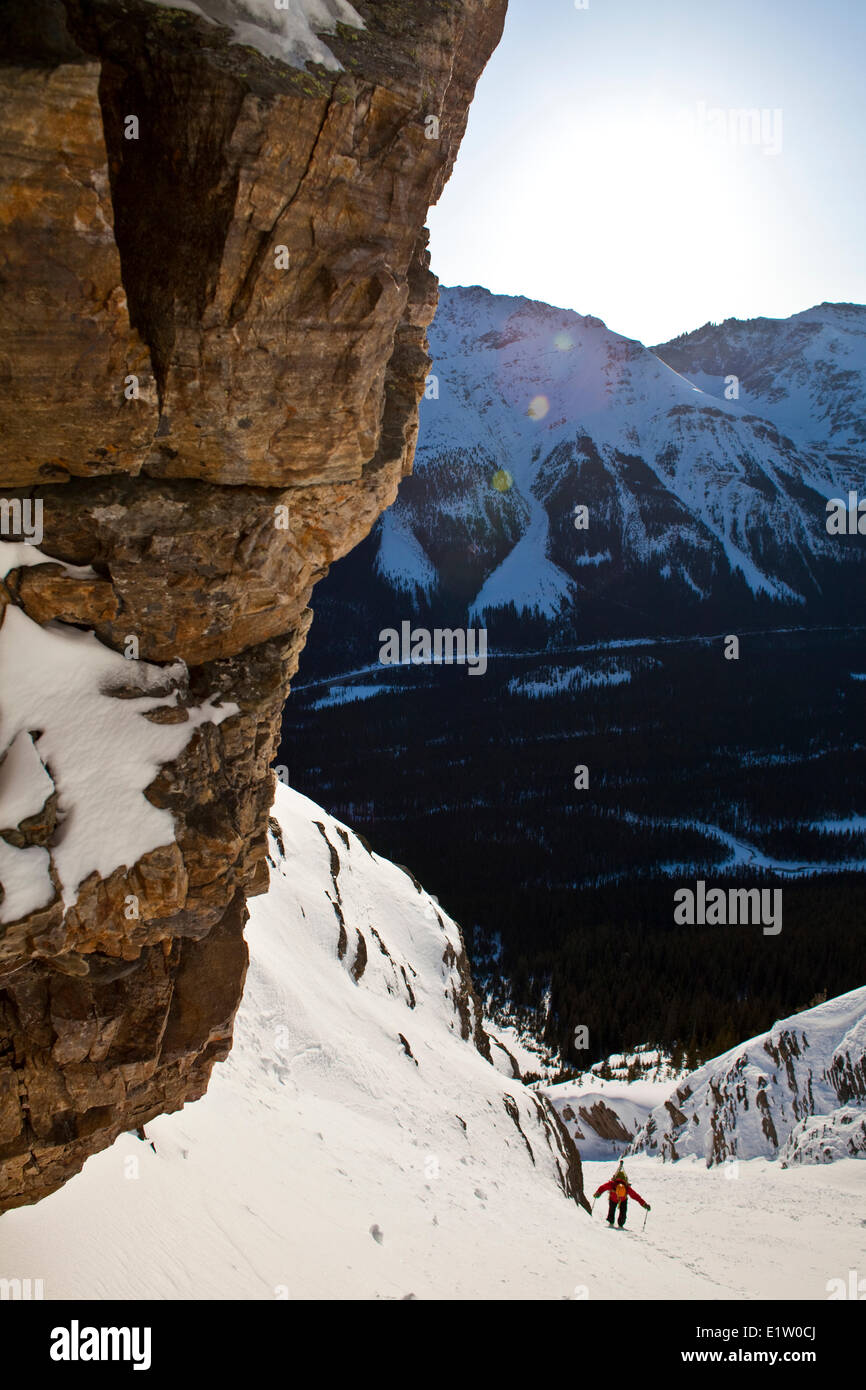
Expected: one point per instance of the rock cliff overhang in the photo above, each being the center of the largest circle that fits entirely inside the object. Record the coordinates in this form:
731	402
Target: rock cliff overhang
212	347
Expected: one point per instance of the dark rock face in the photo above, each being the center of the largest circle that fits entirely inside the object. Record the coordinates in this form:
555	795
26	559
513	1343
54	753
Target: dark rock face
212	348
605	1122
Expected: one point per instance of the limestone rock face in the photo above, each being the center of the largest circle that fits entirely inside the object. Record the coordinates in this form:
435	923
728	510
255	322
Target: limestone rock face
212	347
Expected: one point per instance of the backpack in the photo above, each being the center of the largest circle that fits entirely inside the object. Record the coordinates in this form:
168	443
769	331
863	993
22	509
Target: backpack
621	1191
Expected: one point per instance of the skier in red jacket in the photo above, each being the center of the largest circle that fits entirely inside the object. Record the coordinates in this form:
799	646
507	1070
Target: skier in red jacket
619	1191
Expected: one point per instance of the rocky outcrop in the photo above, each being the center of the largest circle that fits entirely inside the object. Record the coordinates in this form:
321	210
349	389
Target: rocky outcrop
793	1093
212	348
605	1122
602	1122
826	1138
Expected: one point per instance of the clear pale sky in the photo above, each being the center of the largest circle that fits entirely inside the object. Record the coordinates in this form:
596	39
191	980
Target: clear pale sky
602	172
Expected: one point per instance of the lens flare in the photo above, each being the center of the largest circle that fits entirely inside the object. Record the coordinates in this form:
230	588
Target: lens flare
502	480
538	407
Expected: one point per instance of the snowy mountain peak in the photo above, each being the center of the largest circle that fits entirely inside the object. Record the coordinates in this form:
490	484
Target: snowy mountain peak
806	373
697	472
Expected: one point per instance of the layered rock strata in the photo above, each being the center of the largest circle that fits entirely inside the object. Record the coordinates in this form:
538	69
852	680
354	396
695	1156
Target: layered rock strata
214	295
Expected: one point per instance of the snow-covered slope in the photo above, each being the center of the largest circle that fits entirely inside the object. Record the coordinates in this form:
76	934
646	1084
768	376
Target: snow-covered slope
357	1140
326	1162
537	411
759	1099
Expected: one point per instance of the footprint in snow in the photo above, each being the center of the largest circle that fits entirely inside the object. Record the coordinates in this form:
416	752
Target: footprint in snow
377	1234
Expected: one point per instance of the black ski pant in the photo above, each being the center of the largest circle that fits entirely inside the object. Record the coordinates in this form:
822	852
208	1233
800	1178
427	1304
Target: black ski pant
611	1210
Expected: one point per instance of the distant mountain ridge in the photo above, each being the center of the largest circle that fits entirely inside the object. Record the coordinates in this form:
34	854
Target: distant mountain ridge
701	512
806	373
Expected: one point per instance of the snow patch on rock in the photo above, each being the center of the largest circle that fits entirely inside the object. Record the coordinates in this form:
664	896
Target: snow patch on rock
288	33
71	723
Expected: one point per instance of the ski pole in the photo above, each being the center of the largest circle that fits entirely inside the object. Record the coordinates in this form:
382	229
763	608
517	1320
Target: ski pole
645	1215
